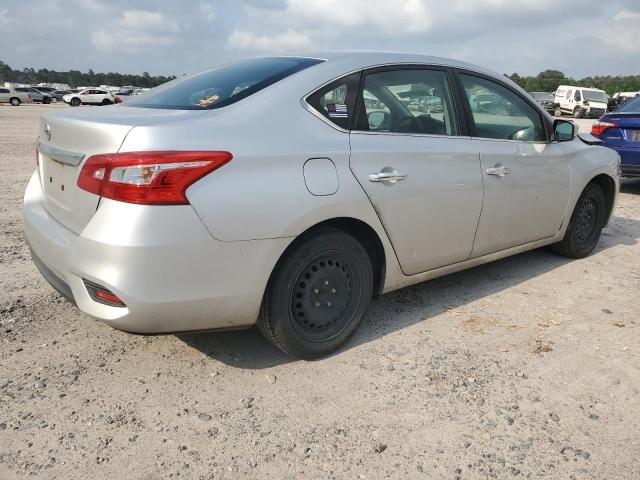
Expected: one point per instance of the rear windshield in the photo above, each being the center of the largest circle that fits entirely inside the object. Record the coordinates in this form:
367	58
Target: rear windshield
221	86
631	106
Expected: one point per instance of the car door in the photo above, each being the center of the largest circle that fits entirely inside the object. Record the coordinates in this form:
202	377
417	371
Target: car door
422	175
526	176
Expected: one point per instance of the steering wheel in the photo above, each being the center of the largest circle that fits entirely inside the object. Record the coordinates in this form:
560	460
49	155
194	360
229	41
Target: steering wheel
410	119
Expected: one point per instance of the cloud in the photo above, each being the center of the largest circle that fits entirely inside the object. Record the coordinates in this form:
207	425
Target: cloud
136	29
288	40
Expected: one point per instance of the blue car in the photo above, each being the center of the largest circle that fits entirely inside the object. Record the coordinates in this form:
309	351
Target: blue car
620	130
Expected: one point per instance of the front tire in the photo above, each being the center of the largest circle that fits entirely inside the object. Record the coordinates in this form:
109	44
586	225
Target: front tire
585	226
54	100
317	295
75	102
106	101
577	113
557	112
14	101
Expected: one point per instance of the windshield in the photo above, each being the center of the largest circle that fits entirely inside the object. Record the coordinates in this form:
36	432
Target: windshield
631	106
594	96
542	96
223	85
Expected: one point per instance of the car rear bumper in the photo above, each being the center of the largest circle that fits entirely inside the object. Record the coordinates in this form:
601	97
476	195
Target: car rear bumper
161	262
629	160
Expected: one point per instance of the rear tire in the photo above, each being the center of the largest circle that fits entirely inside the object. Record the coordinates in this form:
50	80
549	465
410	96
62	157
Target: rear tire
106	101
46	100
317	295
585	226
14	101
75	102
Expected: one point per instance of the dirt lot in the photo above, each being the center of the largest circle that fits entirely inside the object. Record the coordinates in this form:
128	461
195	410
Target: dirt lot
525	368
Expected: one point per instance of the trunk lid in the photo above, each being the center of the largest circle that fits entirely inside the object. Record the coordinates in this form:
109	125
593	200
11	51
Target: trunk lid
67	138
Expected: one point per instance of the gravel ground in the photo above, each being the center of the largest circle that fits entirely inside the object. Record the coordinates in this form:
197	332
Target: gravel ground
525	368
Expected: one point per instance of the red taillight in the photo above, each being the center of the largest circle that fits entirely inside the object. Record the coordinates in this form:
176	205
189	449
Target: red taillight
599	127
117	100
148	178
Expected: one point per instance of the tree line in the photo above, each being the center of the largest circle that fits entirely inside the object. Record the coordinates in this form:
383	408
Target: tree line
75	78
549	80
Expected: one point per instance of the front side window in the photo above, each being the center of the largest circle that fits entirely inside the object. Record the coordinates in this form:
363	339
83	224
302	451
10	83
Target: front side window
407	100
576	97
221	86
501	113
336	101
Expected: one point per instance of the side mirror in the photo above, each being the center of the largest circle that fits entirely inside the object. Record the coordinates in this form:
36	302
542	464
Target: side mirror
377	119
564	130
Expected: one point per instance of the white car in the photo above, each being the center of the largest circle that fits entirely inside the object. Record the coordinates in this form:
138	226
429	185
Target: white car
269	191
90	97
580	102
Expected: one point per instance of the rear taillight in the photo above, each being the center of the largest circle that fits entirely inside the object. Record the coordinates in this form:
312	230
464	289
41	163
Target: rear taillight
117	100
148	178
599	127
100	294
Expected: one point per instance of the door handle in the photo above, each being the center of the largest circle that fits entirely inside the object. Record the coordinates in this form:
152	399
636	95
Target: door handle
498	170
387	177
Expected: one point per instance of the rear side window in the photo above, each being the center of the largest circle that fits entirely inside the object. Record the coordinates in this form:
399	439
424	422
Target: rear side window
22	89
336	101
4	90
222	86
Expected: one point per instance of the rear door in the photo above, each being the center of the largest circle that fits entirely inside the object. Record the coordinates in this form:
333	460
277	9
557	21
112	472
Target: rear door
526	177
422	175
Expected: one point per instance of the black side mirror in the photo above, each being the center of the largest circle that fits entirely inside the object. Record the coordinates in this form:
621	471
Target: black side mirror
563	130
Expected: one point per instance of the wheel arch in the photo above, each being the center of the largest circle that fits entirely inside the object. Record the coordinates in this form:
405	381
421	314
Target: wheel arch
360	230
608	186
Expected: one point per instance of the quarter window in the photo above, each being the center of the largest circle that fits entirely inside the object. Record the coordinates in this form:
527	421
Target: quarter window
501	113
336	101
414	101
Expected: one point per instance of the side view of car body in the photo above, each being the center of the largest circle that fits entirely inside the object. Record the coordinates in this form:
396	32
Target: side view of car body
15	97
288	190
89	97
580	102
57	95
620	130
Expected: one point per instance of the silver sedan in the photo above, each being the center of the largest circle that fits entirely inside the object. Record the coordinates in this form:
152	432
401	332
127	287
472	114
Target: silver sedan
286	191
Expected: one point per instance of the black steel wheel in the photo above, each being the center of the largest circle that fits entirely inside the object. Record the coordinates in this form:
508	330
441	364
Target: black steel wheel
317	295
587	220
75	102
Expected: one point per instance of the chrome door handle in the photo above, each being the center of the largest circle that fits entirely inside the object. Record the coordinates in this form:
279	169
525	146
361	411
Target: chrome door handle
387	177
498	170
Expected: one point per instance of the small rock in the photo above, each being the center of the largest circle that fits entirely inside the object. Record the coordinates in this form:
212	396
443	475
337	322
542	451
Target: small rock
510	420
3	426
593	416
40	384
379	447
471	380
204	417
607	311
270	378
419	468
554	417
247	402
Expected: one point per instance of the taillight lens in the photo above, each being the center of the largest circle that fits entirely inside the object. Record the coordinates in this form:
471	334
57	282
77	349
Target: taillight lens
148	178
599	127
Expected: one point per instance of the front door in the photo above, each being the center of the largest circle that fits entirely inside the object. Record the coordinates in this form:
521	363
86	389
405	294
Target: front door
422	177
526	177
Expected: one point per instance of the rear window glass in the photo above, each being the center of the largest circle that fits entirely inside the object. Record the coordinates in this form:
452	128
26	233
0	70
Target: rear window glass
631	106
222	86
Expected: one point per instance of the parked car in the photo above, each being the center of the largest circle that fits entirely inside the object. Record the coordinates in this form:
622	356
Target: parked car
268	191
57	95
620	130
14	97
35	94
580	102
89	97
545	99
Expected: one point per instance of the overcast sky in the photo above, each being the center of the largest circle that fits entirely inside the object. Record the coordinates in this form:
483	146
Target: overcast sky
579	37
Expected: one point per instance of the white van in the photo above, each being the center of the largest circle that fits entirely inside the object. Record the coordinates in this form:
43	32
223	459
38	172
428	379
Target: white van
580	101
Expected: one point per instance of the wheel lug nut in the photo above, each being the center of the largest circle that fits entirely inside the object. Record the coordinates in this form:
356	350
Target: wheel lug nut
316	291
328	304
317	304
333	290
326	282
